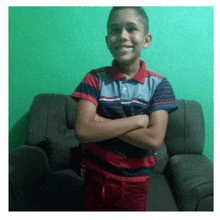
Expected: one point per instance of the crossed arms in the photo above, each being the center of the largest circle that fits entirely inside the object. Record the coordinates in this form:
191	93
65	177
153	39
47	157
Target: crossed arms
142	131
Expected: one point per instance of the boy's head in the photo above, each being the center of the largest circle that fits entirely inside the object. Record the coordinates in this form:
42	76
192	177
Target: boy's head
140	13
127	33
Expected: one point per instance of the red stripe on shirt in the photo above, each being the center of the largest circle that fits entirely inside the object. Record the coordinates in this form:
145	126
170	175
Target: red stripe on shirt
84	96
91	80
164	103
150	73
120	161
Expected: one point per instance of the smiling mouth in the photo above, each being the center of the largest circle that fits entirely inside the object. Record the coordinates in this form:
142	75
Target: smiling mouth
124	48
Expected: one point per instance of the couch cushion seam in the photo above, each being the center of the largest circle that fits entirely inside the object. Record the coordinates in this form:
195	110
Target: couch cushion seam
195	188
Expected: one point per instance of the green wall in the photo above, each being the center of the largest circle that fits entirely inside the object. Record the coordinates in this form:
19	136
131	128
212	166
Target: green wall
52	48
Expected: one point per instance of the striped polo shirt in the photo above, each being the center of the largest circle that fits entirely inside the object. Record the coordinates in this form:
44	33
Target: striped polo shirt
117	96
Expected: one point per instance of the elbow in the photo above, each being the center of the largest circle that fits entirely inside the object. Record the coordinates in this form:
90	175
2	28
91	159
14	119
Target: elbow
80	132
155	144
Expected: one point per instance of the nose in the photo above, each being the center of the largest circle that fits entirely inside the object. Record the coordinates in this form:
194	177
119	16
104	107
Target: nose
124	34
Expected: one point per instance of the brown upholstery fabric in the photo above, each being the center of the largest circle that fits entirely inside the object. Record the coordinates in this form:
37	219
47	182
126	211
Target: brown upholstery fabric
185	131
161	160
51	127
160	196
191	179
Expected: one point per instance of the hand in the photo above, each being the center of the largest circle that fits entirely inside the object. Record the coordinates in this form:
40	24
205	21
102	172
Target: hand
142	120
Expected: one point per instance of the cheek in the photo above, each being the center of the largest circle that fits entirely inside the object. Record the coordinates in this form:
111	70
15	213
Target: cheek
111	44
138	39
112	40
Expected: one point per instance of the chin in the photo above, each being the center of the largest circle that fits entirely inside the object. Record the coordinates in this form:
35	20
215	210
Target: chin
126	60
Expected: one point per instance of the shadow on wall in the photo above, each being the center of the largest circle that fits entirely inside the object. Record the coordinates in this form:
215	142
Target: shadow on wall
18	133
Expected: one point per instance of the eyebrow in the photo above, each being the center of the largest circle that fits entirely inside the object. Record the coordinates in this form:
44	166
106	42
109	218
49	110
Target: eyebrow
113	25
117	24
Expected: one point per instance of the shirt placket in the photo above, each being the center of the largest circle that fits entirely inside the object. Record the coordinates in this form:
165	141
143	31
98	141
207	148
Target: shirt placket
124	89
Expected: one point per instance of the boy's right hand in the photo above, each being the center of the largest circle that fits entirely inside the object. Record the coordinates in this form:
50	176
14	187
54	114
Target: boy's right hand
142	120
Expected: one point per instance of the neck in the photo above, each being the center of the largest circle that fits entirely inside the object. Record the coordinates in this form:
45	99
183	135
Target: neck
129	69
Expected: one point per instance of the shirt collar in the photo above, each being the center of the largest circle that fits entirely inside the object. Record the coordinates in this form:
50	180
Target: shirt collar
139	76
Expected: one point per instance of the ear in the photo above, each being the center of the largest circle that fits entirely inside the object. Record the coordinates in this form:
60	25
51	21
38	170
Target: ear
148	40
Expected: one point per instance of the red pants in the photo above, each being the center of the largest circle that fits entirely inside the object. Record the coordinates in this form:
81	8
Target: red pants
107	192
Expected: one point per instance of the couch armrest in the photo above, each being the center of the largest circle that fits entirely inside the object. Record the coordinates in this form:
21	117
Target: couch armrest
191	179
27	164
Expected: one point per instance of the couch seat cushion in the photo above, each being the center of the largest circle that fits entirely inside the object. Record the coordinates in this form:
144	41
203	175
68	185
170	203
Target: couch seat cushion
160	197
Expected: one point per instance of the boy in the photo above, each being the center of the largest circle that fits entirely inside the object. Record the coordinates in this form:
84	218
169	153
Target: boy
122	116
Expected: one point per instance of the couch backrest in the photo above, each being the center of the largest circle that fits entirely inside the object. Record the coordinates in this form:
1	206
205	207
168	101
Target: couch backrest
51	126
185	132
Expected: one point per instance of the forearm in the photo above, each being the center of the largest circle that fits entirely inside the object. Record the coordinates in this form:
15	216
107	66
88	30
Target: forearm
95	130
151	137
146	138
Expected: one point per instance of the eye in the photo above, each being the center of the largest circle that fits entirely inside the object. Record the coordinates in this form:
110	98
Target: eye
131	27
114	30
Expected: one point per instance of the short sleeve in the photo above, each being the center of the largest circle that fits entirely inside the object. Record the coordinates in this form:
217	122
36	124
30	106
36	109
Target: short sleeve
88	89
163	98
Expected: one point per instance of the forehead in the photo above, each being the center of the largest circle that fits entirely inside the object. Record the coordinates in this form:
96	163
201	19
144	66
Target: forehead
125	16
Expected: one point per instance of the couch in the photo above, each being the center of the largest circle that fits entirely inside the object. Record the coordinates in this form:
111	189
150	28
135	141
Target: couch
45	172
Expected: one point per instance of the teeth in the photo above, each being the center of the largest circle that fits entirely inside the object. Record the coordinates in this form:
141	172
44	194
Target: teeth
127	47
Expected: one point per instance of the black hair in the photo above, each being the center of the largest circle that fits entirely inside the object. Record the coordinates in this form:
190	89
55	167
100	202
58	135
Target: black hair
140	12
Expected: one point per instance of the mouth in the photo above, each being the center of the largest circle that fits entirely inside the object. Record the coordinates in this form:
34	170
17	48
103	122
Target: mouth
124	47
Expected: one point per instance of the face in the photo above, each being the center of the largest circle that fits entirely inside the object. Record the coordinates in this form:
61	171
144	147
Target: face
126	36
